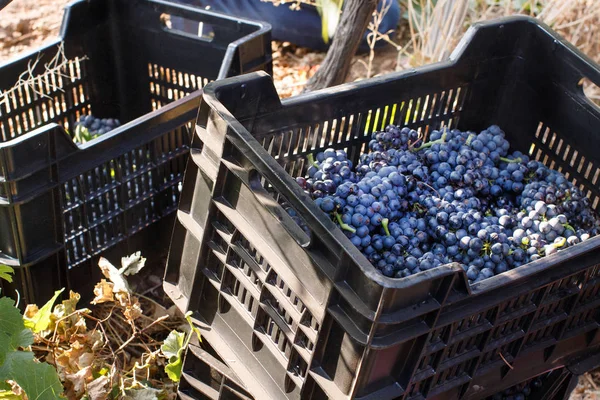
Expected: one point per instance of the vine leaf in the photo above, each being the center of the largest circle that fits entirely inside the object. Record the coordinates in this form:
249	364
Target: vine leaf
132	264
142	394
173	344
172	348
39	320
12	330
6	273
174	369
38	380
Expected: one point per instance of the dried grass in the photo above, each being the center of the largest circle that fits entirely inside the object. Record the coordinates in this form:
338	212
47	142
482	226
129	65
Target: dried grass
435	29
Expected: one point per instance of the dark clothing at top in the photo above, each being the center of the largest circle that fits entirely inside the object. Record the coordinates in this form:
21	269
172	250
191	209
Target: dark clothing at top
300	27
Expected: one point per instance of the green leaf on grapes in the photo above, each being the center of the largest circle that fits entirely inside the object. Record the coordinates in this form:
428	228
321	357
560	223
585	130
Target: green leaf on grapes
39	380
41	320
6	273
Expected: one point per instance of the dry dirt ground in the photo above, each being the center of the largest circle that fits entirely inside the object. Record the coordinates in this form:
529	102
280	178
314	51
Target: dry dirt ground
26	24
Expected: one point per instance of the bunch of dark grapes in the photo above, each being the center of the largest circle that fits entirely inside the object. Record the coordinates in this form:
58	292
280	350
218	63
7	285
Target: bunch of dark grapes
411	205
522	391
331	169
97	126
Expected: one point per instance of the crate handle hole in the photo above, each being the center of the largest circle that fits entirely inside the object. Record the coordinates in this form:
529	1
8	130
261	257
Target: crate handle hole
187	27
590	90
259	186
257	344
223	305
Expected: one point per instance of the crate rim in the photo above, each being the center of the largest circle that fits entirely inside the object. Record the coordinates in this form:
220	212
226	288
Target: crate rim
262	26
279	178
261	29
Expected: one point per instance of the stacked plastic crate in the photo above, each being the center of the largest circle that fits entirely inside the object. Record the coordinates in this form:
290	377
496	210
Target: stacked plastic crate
304	315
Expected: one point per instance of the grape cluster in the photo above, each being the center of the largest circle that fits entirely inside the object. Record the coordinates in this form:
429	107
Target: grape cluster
411	205
522	391
97	126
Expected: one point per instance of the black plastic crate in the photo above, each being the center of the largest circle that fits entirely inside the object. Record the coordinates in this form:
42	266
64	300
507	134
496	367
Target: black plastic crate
555	385
63	205
206	376
308	316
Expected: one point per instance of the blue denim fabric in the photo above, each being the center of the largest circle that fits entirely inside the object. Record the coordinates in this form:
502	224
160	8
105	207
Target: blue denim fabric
302	28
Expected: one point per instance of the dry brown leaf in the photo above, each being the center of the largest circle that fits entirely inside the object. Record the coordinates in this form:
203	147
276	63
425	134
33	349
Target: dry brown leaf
70	305
133	311
68	359
114	275
31	310
103	292
132	264
78	382
98	389
95	340
85	360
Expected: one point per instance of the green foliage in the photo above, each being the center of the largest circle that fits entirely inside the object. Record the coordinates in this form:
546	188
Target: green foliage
39	380
13	333
173	344
173	348
83	135
41	319
6	273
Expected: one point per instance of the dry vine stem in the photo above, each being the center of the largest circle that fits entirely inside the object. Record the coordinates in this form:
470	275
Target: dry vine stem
374	35
34	82
435	30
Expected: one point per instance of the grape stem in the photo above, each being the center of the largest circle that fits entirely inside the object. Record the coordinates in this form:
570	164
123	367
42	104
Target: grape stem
431	143
508	160
560	244
469	139
568	227
430	187
344	226
311	160
384	223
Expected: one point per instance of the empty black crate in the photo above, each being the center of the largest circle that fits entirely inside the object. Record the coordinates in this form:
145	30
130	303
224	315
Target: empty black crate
310	317
64	205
